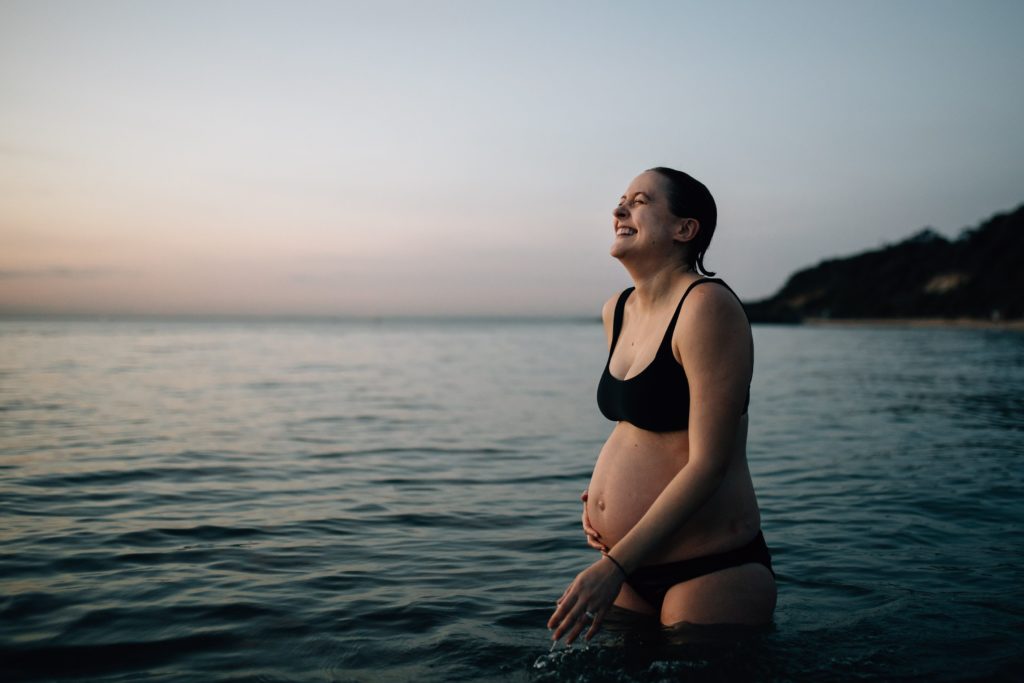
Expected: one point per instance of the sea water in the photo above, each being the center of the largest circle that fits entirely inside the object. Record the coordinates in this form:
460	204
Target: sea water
399	500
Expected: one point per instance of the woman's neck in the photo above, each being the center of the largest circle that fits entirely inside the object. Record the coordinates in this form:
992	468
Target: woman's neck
655	285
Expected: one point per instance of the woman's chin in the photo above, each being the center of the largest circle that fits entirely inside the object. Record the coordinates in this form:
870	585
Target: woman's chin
618	250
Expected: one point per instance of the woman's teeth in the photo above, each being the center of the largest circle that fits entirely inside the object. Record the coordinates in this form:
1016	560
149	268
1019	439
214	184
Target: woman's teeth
625	232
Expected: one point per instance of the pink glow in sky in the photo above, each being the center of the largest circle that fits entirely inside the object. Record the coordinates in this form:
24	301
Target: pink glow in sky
464	157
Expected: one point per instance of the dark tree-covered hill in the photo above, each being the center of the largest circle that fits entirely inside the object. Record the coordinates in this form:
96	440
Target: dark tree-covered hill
978	275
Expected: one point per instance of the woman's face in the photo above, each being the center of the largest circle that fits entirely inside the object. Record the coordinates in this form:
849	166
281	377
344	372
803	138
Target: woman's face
642	222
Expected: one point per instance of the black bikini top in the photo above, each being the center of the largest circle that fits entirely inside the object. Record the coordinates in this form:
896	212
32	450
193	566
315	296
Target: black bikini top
657	399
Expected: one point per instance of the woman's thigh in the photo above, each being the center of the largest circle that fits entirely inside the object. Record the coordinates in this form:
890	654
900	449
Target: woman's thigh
737	595
629	599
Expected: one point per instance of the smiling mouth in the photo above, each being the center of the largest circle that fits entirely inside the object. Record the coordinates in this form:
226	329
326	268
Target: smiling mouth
625	232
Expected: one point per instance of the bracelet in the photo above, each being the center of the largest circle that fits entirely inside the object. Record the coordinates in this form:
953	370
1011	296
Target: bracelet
619	566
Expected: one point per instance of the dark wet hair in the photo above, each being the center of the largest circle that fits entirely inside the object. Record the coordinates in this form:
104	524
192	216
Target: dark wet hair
689	198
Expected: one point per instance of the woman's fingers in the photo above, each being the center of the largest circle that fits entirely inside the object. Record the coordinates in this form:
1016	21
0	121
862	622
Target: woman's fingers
585	602
565	605
568	611
586	522
596	625
576	628
560	625
572	621
593	536
587	528
569	620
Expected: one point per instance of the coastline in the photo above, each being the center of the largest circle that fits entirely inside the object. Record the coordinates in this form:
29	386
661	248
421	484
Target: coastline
1016	325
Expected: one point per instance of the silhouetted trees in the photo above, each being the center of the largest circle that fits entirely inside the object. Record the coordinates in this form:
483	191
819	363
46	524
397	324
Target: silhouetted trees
978	275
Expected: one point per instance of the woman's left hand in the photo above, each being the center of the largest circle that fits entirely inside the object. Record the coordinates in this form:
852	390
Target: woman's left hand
586	601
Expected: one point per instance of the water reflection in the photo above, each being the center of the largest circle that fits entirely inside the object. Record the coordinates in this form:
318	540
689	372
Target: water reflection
370	501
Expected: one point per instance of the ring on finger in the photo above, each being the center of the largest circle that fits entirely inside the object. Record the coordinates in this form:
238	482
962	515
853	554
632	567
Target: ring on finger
589	615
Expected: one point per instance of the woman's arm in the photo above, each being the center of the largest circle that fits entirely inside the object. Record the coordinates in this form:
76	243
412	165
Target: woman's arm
608	318
716	353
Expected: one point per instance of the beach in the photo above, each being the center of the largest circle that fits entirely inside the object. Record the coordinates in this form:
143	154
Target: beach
960	323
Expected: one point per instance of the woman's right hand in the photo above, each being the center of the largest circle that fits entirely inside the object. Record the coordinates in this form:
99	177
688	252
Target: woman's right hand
593	537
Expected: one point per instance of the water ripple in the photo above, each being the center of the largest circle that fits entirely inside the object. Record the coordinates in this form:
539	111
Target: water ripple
261	502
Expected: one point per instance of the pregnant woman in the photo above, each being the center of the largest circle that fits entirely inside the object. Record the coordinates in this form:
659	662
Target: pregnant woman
671	505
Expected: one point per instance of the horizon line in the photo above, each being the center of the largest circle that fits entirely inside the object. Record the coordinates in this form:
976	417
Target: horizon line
294	317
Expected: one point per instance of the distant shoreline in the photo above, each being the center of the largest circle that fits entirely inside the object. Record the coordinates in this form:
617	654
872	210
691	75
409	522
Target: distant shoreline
966	323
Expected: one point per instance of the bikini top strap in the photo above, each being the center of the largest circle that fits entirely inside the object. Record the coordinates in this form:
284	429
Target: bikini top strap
744	308
675	316
620	307
667	341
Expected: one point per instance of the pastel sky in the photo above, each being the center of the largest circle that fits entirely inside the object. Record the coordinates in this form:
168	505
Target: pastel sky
441	157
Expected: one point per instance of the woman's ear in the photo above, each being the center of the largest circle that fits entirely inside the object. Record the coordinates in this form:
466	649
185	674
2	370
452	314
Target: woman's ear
687	230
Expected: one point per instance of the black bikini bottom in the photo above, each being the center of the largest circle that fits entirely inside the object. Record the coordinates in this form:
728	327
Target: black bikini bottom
653	581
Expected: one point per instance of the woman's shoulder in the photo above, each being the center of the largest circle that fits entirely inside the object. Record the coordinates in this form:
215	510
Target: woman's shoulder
709	290
608	313
712	306
608	310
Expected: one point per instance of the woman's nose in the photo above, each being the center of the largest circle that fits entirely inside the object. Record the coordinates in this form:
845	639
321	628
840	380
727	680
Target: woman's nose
620	211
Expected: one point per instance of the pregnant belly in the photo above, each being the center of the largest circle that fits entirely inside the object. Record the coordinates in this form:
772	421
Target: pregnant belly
635	466
632	470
